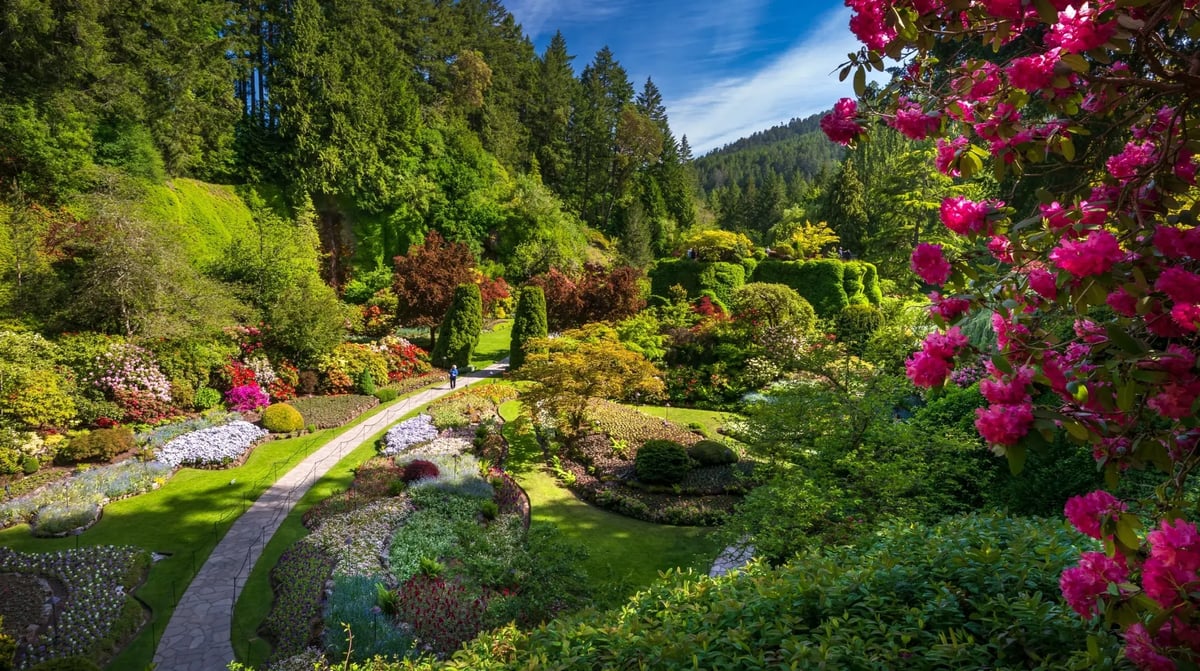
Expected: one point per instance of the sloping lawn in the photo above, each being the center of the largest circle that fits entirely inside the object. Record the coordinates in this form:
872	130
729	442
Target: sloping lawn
709	420
493	345
625	554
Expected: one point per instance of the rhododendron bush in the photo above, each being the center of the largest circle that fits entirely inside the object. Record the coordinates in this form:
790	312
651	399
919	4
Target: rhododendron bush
1095	105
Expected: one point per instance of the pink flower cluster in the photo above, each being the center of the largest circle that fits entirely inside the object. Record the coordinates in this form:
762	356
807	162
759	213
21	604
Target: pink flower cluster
1079	29
929	264
929	367
1084	584
947	307
1095	255
965	216
1010	414
913	122
841	125
1089	512
246	398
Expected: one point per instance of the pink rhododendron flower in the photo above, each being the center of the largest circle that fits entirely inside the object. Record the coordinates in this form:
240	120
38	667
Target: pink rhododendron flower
929	264
1161	322
964	216
1186	315
1007	390
1000	248
1004	424
1177	243
1044	282
1122	302
1033	72
1095	255
1089	511
1143	652
1134	157
912	121
1079	29
948	153
869	23
1008	333
1083	584
1176	544
945	345
840	124
1176	399
1178	360
926	370
948	307
1056	216
1185	166
1179	285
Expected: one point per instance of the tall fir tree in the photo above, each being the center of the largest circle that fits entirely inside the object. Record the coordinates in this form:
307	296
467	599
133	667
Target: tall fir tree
529	323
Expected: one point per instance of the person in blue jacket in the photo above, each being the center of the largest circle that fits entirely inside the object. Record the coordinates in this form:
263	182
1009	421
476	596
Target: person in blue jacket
453	375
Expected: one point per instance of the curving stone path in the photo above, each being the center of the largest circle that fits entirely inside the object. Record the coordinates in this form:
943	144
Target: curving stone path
198	636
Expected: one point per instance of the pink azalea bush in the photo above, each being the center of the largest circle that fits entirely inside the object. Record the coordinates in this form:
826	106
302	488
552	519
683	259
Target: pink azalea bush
246	398
1114	245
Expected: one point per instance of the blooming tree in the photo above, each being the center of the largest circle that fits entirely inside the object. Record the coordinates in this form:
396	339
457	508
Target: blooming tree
1094	103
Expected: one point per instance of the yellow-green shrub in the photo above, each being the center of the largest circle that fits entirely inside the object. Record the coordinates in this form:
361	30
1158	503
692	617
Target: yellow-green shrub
282	418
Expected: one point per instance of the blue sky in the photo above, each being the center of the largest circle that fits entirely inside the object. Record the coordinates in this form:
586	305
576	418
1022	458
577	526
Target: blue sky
725	68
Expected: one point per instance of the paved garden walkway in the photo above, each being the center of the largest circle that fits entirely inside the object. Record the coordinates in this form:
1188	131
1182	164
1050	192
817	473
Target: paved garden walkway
198	636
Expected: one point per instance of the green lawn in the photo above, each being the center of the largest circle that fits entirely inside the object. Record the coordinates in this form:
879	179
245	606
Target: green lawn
493	345
625	554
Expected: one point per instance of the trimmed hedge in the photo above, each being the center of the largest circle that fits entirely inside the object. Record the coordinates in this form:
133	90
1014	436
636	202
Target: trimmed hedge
871	284
712	453
719	277
663	462
852	281
820	282
529	322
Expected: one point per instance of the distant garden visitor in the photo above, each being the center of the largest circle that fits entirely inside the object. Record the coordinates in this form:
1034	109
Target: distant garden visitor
453	375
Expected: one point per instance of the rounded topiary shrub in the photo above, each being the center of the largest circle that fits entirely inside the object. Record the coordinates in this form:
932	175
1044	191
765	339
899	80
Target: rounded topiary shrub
662	462
66	664
282	418
30	465
857	323
419	470
712	453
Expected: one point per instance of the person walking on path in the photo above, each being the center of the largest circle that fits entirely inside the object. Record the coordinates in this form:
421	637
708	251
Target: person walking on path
453	375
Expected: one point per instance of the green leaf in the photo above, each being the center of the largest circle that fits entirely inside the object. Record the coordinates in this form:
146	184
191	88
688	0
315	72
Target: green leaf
1076	62
1016	458
1002	364
1067	148
1046	11
1076	429
860	81
1126	395
1121	338
1112	475
1127	528
845	73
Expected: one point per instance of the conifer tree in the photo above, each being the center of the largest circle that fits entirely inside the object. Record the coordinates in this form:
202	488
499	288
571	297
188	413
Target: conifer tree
528	323
460	330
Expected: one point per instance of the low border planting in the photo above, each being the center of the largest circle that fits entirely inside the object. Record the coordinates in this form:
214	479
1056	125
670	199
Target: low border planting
408	433
98	614
74	503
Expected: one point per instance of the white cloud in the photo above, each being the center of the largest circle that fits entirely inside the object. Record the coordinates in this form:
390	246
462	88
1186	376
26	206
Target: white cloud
801	82
536	16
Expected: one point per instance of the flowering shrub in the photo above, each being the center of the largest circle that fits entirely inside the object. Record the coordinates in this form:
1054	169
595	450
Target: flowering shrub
128	375
98	612
410	432
158	436
438	448
246	398
283	387
237	374
346	363
444	613
219	445
1114	246
418	469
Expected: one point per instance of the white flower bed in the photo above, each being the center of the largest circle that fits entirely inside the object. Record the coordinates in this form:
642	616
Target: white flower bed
410	432
436	449
218	445
359	538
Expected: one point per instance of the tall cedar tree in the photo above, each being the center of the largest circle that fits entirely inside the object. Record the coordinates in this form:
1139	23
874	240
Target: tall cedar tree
528	323
425	280
460	329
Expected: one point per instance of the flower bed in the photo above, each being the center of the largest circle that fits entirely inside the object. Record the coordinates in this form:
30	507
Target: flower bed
97	616
158	436
415	383
634	428
408	433
75	502
327	412
217	446
435	449
356	540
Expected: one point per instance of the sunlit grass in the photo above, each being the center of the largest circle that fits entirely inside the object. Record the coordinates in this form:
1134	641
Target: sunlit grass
493	345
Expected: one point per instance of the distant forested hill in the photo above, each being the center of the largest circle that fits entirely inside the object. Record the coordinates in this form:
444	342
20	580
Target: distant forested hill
796	152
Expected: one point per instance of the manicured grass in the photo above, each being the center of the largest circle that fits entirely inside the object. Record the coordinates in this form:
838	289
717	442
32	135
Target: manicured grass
493	345
710	420
625	554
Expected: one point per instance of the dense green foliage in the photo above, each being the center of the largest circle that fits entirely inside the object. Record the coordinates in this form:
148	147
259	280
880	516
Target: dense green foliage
528	323
663	462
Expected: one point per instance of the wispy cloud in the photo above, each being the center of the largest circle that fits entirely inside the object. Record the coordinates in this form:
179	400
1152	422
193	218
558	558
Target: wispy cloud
537	16
800	82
